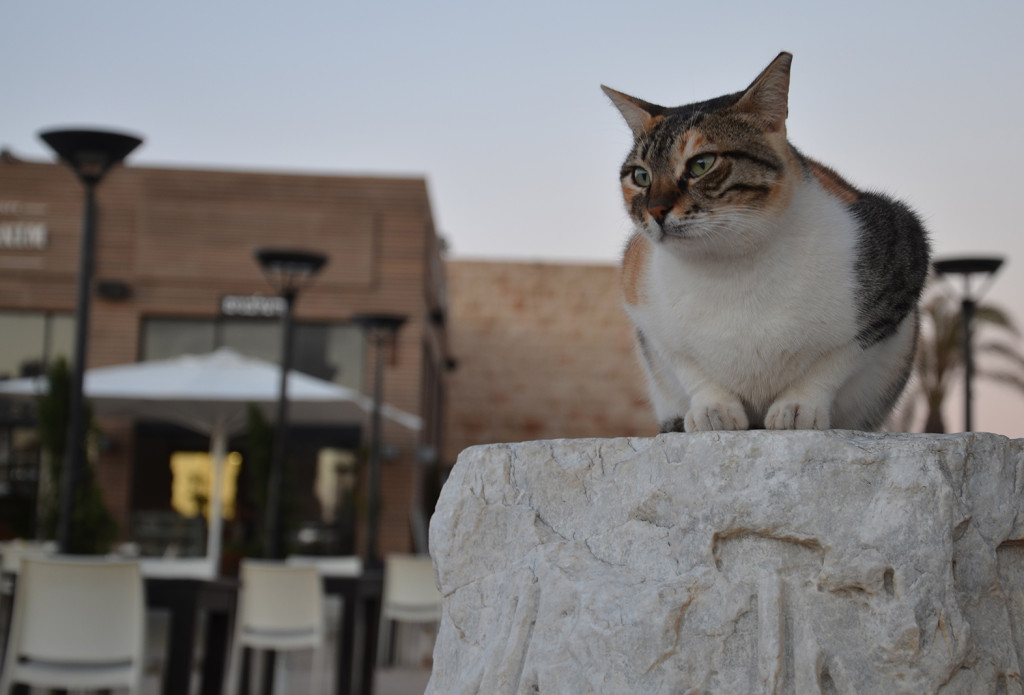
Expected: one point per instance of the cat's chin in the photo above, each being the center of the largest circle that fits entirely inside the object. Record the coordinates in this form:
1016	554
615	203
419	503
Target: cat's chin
682	236
675	231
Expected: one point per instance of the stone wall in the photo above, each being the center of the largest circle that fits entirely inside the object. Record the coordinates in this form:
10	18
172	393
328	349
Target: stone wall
752	562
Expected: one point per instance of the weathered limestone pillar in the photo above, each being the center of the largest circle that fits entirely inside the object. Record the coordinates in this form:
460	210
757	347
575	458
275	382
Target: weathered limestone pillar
736	563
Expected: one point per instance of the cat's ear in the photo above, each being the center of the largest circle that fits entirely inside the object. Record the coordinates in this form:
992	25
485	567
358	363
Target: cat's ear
639	114
767	97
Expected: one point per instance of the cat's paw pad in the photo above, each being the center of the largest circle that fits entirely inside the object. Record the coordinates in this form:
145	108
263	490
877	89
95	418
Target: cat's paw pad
705	417
798	415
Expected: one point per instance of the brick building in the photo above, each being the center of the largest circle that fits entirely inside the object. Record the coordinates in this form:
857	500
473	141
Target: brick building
173	246
544	351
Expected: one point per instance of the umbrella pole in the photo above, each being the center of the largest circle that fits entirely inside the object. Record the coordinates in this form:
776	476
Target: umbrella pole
215	522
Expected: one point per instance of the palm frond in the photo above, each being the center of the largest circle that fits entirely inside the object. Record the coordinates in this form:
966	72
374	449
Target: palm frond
1012	379
940	354
987	314
1008	352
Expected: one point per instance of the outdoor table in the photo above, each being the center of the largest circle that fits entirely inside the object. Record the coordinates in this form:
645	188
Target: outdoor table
362	597
186	596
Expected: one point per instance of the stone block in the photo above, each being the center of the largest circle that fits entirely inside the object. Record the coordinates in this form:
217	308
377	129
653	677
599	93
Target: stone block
749	562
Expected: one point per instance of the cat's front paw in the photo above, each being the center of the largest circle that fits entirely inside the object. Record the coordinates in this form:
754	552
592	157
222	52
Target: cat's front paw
704	417
787	414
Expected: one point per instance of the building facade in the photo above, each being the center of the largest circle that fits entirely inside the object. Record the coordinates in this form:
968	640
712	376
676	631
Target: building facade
175	274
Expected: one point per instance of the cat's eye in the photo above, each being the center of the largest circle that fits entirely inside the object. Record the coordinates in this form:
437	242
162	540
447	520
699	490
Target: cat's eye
641	177
699	165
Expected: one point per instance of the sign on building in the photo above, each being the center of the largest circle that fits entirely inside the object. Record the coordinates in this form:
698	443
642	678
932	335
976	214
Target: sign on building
23	236
251	305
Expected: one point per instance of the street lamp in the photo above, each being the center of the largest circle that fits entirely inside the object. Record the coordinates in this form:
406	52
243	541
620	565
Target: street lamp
380	328
288	271
90	154
986	266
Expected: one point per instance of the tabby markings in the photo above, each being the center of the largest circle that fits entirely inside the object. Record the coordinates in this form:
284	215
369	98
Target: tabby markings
693	144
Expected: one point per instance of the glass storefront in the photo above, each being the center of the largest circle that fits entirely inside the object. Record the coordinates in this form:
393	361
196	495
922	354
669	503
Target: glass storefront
333	352
321	498
30	340
319	490
19	475
323	510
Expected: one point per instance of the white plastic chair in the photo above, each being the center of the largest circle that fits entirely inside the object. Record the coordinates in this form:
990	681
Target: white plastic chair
77	623
280	608
331	566
410	595
11	554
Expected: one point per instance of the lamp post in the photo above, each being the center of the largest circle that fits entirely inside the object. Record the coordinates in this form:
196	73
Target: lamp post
967	267
288	270
90	154
380	328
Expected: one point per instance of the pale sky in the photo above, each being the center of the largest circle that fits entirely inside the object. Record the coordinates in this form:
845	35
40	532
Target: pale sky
498	104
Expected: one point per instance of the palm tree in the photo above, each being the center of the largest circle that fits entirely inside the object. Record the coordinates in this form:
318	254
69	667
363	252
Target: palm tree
940	353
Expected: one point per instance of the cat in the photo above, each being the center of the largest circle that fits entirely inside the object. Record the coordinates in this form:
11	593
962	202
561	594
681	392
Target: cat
765	290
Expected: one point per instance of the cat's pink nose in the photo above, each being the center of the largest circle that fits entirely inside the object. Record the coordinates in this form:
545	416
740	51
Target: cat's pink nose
658	210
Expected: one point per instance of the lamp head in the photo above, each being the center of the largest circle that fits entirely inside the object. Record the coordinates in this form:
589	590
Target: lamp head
389	323
90	153
968	266
288	270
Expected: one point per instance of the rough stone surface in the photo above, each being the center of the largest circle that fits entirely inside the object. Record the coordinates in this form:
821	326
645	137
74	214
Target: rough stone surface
750	562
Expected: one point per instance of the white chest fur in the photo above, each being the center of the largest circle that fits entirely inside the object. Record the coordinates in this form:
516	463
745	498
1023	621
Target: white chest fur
753	323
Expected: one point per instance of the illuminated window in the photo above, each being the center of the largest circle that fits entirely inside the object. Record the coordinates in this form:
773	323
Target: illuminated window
192	483
335	478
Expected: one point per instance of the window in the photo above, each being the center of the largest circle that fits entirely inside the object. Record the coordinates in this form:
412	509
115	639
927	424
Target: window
165	339
259	339
30	340
333	352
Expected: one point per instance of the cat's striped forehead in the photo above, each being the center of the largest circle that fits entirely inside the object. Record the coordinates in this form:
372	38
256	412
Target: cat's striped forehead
659	145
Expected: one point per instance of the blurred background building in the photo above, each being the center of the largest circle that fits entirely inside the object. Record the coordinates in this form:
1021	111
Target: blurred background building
175	275
492	351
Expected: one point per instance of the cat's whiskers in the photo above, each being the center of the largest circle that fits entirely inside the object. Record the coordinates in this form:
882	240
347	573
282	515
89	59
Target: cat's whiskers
738	228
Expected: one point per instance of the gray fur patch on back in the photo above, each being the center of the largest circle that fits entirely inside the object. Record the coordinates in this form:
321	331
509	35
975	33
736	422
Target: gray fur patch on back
891	266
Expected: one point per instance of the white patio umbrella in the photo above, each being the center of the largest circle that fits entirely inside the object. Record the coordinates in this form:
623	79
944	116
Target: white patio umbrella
209	394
